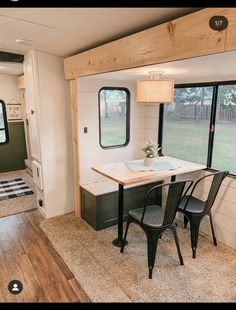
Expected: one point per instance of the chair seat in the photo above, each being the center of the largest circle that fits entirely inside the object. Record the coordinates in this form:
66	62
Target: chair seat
194	205
154	215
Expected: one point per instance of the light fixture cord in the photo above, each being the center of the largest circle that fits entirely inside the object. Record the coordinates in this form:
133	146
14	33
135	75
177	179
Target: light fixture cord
155	75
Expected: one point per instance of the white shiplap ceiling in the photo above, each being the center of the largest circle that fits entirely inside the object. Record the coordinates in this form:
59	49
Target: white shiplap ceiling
66	31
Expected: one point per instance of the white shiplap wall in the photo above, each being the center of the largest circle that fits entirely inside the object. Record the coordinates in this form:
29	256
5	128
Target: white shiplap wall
9	89
90	151
151	122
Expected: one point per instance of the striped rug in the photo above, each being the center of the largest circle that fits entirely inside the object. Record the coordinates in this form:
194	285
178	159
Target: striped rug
14	188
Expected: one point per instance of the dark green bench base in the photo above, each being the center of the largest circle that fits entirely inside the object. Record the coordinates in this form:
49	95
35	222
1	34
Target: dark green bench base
101	211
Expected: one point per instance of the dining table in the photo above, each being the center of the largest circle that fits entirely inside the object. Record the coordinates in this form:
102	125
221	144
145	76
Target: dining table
134	172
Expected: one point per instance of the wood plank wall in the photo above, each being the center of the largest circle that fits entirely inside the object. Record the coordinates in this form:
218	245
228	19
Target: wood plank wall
74	120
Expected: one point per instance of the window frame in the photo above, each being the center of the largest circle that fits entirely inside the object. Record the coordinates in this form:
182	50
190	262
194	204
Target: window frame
212	120
5	123
127	116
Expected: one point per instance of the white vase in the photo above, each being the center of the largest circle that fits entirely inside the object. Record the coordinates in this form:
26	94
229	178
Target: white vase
148	161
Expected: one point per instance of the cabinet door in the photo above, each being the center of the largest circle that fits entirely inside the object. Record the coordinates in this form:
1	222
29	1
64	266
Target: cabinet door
30	100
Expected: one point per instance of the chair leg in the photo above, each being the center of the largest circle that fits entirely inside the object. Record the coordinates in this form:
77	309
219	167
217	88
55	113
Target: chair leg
212	229
152	249
194	228
125	236
177	245
185	221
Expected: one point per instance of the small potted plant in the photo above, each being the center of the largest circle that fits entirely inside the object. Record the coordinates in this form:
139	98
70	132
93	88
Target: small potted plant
150	150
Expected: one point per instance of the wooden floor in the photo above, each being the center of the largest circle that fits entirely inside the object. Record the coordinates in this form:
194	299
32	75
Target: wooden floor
27	255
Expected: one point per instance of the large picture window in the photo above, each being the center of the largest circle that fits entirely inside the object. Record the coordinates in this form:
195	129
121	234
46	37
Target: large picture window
114	117
186	124
200	126
3	124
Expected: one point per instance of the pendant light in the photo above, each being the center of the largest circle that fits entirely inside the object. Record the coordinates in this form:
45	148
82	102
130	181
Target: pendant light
156	89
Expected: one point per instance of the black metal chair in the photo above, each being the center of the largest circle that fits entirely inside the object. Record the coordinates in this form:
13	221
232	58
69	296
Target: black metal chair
195	209
155	220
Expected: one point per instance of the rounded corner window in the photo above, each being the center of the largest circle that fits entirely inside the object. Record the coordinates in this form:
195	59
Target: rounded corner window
114	117
4	136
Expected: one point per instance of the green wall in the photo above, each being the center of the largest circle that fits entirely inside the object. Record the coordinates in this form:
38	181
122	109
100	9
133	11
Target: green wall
13	154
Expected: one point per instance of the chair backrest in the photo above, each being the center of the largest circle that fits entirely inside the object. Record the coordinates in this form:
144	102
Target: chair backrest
174	196
215	186
217	179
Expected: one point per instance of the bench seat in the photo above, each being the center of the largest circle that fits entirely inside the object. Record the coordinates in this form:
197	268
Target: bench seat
99	201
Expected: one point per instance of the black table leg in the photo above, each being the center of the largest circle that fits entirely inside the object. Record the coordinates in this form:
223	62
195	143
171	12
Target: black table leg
119	241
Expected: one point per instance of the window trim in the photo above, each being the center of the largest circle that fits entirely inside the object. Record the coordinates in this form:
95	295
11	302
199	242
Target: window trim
5	123
215	86
127	116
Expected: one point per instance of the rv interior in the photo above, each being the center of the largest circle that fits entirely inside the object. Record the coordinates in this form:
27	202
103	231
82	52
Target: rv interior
106	194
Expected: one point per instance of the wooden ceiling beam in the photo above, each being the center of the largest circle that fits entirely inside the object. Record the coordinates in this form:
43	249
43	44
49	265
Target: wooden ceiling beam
185	37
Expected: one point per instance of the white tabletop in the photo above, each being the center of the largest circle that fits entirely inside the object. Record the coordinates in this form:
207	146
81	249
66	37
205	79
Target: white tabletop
122	174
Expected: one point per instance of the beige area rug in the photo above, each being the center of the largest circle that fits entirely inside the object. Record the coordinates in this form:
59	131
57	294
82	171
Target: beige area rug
106	275
19	204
